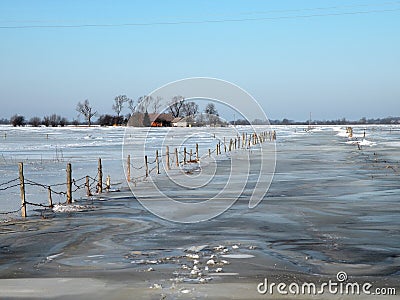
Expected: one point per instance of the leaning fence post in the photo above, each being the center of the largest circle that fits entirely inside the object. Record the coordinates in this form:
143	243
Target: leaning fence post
100	176
22	187
128	168
176	157
69	183
108	183
88	193
167	157
197	152
147	166
157	163
50	198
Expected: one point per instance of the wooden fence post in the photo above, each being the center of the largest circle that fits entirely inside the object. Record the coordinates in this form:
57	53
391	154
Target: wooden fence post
128	168
167	158
69	183
209	152
100	176
108	183
157	163
22	188
50	198
176	157
146	165
184	156
197	152
217	149
224	145
88	193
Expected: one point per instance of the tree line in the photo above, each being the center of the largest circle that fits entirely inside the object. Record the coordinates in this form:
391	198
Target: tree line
177	107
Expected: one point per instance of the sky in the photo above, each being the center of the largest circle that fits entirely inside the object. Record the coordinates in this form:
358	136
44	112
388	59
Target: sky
334	58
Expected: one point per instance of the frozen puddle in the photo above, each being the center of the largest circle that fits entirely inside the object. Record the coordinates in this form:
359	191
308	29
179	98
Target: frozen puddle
62	208
237	255
223	274
51	257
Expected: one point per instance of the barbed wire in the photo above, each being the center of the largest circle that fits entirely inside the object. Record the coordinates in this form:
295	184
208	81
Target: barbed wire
137	168
9	187
184	155
38	204
11	212
8	182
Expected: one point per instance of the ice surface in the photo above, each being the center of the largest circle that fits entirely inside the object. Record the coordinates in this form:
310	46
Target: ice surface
330	207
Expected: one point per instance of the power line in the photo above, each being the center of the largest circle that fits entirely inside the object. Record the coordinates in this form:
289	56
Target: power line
203	21
324	8
380	4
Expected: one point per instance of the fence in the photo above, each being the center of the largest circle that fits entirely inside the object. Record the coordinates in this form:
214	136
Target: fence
178	158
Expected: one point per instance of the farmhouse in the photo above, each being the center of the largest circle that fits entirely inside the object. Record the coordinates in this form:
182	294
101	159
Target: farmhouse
179	122
161	120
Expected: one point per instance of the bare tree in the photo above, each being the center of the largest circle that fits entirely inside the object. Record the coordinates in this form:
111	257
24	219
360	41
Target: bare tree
119	103
54	120
17	120
210	109
175	106
35	121
156	104
190	109
143	103
132	106
212	113
86	110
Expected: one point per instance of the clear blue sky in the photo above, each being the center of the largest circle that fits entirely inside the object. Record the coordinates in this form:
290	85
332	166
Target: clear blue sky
344	65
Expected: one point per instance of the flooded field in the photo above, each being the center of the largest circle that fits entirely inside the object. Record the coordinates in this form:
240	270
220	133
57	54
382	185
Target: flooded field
332	206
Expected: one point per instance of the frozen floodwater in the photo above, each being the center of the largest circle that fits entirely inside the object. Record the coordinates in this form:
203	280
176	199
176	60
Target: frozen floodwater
331	207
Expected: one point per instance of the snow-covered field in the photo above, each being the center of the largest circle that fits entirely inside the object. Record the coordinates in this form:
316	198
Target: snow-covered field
46	151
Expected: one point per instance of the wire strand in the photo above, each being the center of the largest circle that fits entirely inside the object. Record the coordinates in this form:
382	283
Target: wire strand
232	20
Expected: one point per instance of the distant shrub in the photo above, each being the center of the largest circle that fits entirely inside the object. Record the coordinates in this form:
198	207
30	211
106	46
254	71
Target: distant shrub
109	120
17	120
35	121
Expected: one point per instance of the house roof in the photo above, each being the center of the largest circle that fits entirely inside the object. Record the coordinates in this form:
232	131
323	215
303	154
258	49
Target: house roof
177	119
161	117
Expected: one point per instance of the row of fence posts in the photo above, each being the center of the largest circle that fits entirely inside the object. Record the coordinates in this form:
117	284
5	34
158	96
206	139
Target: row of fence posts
99	186
244	141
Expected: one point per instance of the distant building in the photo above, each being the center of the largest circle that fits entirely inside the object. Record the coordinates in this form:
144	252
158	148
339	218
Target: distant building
179	122
156	120
161	120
